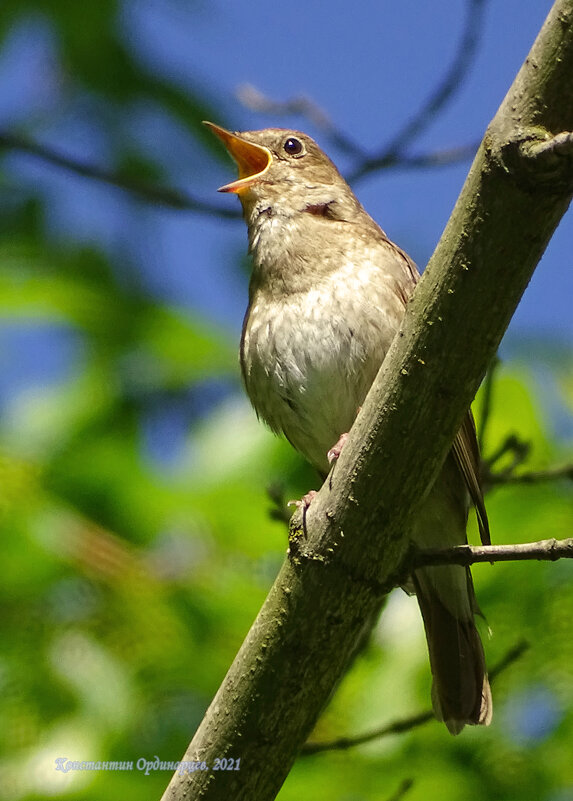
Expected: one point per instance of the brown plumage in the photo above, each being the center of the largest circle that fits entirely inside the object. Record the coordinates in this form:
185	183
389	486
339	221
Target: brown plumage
327	294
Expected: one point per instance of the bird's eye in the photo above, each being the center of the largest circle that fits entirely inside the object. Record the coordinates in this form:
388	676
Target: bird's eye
293	146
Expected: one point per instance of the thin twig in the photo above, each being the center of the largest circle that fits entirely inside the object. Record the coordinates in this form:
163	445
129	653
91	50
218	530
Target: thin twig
444	92
165	196
519	448
300	105
183	201
344	743
531	477
544	550
514	653
434	158
406	785
451	82
279	509
412	722
392	155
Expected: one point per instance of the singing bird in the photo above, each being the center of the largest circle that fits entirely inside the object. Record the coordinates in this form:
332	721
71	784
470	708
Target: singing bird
327	294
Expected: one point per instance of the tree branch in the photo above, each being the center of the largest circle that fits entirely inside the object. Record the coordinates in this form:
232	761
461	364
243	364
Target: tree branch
466	555
330	588
393	154
434	158
393	151
253	99
164	196
531	476
345	743
404	788
512	444
409	723
391	157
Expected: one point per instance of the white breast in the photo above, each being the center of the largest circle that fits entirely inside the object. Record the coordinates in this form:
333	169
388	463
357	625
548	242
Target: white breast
310	357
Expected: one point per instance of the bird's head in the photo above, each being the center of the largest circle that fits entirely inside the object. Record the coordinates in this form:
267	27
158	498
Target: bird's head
282	170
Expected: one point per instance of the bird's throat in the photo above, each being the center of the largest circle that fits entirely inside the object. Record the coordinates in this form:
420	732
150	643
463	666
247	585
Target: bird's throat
288	253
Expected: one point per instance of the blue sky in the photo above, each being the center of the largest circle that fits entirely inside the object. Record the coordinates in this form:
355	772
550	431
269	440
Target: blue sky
369	65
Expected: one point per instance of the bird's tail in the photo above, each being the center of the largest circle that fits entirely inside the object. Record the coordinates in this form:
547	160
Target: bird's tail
460	693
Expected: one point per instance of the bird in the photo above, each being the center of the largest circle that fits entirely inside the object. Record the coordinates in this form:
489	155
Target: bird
327	294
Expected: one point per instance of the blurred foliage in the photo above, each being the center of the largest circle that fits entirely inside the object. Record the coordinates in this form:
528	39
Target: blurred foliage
137	542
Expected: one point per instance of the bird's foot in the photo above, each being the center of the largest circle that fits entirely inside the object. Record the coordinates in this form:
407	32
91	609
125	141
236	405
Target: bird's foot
336	449
303	504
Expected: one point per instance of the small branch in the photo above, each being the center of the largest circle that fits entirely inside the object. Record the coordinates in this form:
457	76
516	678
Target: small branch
544	550
512	444
435	158
549	152
536	158
451	82
405	787
392	155
300	105
164	196
445	91
344	743
514	653
531	477
255	100
279	506
432	159
183	201
412	722
520	450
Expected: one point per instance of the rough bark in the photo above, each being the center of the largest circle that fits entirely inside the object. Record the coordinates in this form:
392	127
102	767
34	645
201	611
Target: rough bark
333	581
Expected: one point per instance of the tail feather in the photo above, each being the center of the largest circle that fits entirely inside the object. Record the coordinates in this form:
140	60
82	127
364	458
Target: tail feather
460	693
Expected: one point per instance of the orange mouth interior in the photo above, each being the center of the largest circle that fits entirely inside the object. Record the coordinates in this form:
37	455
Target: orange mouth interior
252	160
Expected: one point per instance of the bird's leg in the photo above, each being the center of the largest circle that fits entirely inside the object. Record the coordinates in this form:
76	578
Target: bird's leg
336	449
332	456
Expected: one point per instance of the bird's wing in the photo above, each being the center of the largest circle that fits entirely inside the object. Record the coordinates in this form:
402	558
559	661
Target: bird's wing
465	448
466	454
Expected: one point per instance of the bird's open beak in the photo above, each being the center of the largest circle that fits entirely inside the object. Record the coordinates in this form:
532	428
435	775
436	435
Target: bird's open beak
252	160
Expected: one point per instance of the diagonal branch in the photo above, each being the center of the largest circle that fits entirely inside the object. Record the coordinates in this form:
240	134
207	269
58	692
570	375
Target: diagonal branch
404	788
405	724
164	196
184	201
433	158
393	152
391	157
451	82
330	588
531	476
255	100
